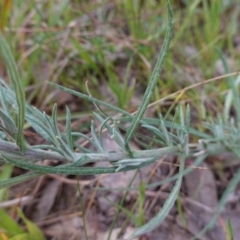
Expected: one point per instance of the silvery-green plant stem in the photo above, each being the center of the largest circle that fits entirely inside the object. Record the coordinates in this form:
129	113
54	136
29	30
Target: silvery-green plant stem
34	155
30	154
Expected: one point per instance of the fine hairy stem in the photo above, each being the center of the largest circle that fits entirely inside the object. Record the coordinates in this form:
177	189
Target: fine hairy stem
35	155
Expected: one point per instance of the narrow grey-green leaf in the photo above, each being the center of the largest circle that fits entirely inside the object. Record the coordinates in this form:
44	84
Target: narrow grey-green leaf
65	150
33	111
181	115
40	128
116	135
68	129
4	131
9	124
155	121
101	132
78	134
53	130
60	169
99	117
67	169
95	138
129	116
82	149
45	147
165	132
91	99
16	180
54	120
173	120
4	102
158	219
7	55
95	104
153	81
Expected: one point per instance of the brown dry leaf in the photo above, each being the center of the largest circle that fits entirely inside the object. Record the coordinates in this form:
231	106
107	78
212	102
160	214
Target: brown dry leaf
201	187
178	234
47	200
114	234
233	216
66	228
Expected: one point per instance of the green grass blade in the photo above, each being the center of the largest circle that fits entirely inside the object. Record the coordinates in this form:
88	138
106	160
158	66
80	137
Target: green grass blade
153	81
9	225
141	200
34	232
126	211
230	234
5	174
